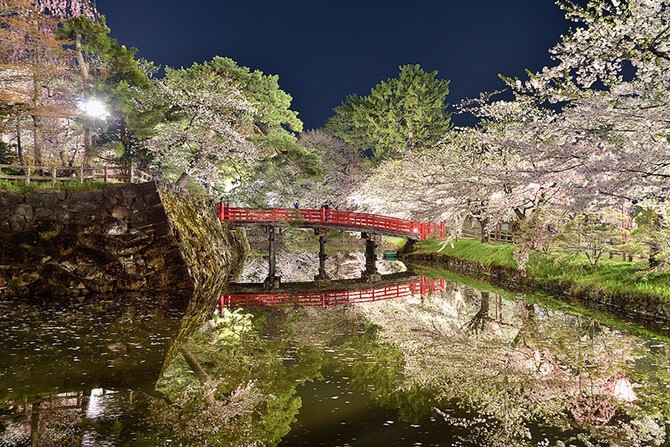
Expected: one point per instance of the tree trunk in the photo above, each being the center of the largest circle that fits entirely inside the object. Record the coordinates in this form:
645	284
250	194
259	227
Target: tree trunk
183	180
35	424
201	374
653	256
655	246
37	144
484	232
19	145
88	146
197	159
83	66
37	120
476	324
86	80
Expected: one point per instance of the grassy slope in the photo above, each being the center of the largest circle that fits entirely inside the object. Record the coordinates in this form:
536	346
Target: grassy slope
609	274
22	187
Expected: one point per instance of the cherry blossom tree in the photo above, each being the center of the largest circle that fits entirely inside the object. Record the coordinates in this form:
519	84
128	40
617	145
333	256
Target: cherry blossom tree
204	118
585	134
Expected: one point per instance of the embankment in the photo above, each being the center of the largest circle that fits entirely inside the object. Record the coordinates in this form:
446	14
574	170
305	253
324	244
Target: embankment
117	240
619	303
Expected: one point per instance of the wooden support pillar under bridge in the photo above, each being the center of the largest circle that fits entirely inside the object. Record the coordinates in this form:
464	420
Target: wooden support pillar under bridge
273	281
322	276
371	273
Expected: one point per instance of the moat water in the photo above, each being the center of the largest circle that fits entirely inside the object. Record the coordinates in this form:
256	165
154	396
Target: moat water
468	366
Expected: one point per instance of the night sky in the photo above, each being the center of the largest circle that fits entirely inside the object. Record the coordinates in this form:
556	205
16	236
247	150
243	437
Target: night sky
324	50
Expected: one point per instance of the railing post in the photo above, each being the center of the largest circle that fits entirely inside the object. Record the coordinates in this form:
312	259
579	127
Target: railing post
28	174
442	229
53	177
81	174
422	230
106	175
132	174
220	212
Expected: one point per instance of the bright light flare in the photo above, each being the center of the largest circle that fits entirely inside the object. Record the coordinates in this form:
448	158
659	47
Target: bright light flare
623	389
94	108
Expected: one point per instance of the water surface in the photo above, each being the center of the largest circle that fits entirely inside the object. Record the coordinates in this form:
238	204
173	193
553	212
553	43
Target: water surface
461	367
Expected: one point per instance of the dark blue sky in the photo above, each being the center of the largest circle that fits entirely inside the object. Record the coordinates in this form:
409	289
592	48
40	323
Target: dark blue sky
324	50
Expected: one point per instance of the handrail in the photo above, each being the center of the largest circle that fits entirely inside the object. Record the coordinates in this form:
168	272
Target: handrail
330	217
55	174
332	298
106	173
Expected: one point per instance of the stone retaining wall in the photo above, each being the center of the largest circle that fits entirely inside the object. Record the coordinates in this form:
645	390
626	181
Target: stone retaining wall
117	240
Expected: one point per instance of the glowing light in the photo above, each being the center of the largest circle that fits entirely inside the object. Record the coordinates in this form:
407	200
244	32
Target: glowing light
623	389
94	108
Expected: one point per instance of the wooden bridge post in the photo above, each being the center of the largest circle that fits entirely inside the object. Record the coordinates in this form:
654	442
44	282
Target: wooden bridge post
322	276
272	281
371	273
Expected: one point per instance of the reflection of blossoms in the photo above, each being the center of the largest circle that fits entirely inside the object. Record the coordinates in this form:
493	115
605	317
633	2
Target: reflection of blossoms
593	410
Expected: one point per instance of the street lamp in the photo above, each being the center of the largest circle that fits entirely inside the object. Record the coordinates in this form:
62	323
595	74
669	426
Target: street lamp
94	108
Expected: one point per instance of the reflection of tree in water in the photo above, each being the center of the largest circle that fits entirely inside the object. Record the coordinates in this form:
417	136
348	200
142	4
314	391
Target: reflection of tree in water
549	367
235	382
488	318
228	386
242	391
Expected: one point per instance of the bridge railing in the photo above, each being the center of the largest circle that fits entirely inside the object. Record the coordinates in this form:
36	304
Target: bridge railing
327	216
332	298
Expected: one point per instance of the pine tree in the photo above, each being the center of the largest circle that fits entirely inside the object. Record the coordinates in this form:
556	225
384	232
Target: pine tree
400	115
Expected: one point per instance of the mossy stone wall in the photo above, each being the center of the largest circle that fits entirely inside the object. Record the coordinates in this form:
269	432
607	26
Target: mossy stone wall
121	239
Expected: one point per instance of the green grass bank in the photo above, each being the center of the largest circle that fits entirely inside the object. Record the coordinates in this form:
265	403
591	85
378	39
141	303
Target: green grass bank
623	286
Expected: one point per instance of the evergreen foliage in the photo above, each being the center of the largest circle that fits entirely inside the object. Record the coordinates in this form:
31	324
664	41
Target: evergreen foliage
400	115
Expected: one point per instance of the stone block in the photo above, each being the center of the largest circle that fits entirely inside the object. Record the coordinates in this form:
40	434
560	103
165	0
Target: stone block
139	205
117	227
42	199
153	199
152	216
139	189
9	199
24	210
17	223
121	212
156	263
42	213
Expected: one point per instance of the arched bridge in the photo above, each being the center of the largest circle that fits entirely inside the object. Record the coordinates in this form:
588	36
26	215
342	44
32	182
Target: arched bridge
335	293
333	219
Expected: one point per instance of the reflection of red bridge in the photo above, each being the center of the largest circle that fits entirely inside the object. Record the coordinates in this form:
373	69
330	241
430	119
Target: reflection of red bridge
333	294
329	218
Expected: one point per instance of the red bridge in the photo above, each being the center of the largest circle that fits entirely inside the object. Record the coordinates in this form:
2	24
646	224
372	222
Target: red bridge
325	217
266	299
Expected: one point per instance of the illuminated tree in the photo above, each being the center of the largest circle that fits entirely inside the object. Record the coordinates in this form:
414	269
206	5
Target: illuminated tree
33	83
400	115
